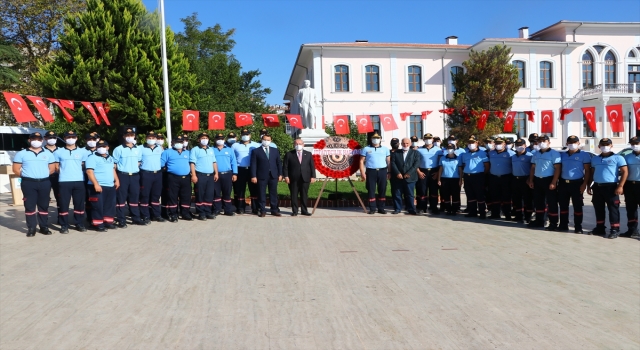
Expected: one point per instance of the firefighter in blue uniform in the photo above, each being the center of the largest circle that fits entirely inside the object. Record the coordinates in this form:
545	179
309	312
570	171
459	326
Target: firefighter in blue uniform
543	179
374	167
70	161
521	193
34	165
204	174
632	189
533	143
475	166
50	144
103	182
607	188
176	161
128	157
427	186
90	140
450	181
242	151
150	179
227	175
574	179
231	139
499	179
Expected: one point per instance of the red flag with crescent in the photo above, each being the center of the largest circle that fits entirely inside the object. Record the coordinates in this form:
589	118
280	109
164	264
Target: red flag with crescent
636	112
447	110
102	112
564	112
404	115
19	108
508	122
190	120
465	113
91	110
66	114
614	112
364	123
530	115
216	120
499	114
42	108
243	119
590	116
341	124
271	120
424	114
481	123
295	120
388	123
547	122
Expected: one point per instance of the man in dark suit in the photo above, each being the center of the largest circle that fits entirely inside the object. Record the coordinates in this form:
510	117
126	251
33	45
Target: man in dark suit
266	171
299	171
404	166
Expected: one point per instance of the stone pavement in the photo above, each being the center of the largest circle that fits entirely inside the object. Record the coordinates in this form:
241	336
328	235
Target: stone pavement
338	280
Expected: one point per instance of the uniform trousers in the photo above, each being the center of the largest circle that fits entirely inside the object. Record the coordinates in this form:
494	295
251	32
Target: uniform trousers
103	205
522	198
377	178
604	194
36	193
179	192
632	201
72	190
427	190
545	200
55	186
450	194
164	195
569	190
204	191
240	188
500	189
150	192
129	191
222	193
474	189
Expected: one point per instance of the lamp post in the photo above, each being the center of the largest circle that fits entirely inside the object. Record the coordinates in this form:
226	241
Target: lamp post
165	73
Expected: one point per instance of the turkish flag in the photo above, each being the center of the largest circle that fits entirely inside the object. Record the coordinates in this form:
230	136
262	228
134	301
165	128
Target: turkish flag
424	114
547	122
590	116
447	110
66	114
636	112
216	120
42	108
243	119
341	124
404	115
564	112
68	104
102	112
295	120
508	122
482	120
530	115
91	110
190	120
271	120
388	122
158	112
499	114
19	108
364	123
616	118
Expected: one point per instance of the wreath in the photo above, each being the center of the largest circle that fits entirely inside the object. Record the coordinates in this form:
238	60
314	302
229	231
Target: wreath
337	173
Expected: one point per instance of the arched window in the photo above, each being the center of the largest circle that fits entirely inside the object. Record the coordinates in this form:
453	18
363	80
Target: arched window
455	70
631	54
342	78
546	74
372	75
587	70
415	79
520	66
609	68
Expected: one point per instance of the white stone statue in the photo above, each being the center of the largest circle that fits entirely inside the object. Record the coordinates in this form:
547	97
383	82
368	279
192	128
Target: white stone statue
308	101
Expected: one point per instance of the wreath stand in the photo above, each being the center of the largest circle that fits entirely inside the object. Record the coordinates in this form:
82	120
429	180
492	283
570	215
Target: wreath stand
353	187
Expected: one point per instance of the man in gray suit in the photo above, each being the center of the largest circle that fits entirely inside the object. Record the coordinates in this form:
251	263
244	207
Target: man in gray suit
404	166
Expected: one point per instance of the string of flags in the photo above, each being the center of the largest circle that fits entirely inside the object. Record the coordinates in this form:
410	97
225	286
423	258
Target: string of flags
23	114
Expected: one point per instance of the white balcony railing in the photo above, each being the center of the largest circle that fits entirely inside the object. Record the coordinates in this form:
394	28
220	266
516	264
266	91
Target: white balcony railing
612	89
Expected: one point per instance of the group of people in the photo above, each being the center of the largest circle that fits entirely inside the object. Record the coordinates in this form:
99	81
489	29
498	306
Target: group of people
531	183
155	182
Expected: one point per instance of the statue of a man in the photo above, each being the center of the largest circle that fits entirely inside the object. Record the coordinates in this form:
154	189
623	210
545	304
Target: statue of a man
307	101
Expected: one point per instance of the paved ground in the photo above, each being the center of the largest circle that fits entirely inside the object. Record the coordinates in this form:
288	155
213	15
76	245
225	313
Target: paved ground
340	279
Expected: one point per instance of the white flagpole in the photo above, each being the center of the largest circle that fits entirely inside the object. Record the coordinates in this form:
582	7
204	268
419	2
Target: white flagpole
165	74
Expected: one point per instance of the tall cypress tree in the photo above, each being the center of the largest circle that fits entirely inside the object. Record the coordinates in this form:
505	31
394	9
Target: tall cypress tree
111	52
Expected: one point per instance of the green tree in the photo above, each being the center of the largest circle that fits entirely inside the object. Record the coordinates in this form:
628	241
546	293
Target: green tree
489	82
353	133
111	52
10	59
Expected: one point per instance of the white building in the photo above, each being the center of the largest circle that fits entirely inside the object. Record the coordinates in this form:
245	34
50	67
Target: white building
566	65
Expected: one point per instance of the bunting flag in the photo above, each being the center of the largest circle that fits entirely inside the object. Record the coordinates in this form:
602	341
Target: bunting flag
465	113
499	114
271	120
19	108
404	115
636	112
388	122
447	110
482	120
530	115
42	108
341	124
547	122
295	120
91	110
364	123
508	122
190	120
102	112
216	121
66	114
68	104
243	119
590	117
158	112
424	114
564	112
616	119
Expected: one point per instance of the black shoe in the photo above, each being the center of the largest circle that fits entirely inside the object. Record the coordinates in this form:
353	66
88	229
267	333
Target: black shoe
160	219
64	229
122	224
508	218
563	228
45	231
110	226
578	230
435	212
535	224
255	212
98	228
613	234
202	218
294	214
239	212
598	231
140	223
81	228
187	218
306	214
371	212
635	234
212	217
147	221
471	215
216	213
411	213
173	219
551	228
497	217
382	211
31	232
395	212
483	216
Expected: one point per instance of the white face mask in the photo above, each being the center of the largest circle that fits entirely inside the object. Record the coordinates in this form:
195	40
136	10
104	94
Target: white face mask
185	144
299	147
231	141
428	141
50	142
605	149
636	148
499	147
490	146
178	145
414	143
102	150
245	138
92	144
159	142
437	144
452	142
220	142
472	146
151	142
520	148
450	150
544	145
70	141
375	141
36	144
204	142
573	146
266	143
405	148
130	139
536	147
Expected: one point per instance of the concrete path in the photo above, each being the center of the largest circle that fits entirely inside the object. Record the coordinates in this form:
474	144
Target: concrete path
338	280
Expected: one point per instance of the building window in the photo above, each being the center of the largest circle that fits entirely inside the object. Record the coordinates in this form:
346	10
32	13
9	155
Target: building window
415	79
587	70
609	68
415	127
342	78
632	54
372	74
520	66
586	131
520	125
545	75
375	121
599	48
634	78
455	70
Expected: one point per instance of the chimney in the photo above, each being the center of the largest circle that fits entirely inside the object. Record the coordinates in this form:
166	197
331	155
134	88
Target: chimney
524	33
452	40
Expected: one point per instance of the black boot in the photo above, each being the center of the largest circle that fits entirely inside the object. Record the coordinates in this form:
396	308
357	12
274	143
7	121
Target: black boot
31	232
612	234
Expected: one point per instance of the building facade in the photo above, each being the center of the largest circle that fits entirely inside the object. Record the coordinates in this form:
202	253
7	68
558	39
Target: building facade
566	65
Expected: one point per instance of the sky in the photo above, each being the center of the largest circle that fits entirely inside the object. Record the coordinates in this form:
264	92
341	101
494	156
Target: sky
269	32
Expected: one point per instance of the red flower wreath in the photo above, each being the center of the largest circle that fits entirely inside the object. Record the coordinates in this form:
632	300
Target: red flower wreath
355	162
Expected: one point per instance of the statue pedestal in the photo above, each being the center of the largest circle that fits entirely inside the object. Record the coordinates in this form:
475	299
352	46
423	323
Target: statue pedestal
311	136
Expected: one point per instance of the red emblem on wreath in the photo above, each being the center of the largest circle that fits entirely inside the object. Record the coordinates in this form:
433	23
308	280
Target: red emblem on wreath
335	157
